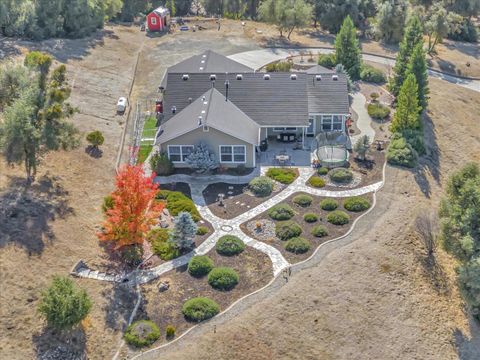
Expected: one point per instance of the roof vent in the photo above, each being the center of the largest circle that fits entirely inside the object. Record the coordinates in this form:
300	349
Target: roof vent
174	109
199	120
293	77
185	77
318	77
239	76
213	77
190	100
266	77
334	77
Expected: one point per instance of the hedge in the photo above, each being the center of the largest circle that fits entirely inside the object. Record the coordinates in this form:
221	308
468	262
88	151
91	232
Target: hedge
282	175
261	186
178	202
338	217
229	245
199	309
287	229
142	333
297	245
319	231
356	204
316	182
223	278
281	212
328	204
200	265
303	200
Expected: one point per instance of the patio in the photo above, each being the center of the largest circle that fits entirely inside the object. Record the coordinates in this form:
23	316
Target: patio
286	154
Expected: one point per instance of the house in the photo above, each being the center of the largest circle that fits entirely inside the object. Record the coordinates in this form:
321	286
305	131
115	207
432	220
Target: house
236	111
158	19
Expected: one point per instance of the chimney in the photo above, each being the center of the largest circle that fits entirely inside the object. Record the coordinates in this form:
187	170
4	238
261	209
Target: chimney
227	85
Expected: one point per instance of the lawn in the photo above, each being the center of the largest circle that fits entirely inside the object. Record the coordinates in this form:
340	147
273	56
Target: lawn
143	152
149	128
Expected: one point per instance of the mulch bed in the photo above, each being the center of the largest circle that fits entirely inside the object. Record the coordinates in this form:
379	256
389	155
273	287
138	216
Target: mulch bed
237	199
165	308
177	186
334	231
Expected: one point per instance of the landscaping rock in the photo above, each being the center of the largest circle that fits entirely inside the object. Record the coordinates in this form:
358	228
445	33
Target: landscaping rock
163	286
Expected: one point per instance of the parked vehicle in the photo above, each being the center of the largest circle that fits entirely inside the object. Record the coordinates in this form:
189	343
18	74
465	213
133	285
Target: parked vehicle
184	28
121	105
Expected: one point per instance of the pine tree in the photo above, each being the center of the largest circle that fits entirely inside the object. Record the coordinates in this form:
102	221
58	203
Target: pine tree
183	232
361	146
412	36
347	49
201	159
418	67
407	115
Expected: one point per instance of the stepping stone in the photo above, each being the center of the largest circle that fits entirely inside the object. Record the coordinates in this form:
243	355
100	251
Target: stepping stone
230	188
242	204
237	202
230	193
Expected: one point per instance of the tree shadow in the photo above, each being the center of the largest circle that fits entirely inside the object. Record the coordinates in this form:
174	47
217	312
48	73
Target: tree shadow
8	48
120	301
94	152
468	345
53	344
470	49
445	66
26	212
429	163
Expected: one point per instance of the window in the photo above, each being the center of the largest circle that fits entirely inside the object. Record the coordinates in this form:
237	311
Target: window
279	129
233	153
327	122
337	122
179	153
154	21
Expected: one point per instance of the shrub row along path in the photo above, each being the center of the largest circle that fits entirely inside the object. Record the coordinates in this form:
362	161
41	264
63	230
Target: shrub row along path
226	226
258	58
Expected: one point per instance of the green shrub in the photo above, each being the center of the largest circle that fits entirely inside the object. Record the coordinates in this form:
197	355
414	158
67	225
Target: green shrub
132	254
63	304
202	230
282	175
316	182
261	186
415	139
303	200
161	164
170	331
328	204
200	265
283	66
378	111
165	250
297	245
322	171
341	175
108	203
158	235
338	217
372	74
401	153
178	202
319	231
95	138
310	217
356	204
199	309
281	212
229	245
287	229
142	333
327	60
223	278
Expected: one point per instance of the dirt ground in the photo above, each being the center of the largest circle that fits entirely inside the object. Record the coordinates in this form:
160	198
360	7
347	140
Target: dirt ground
47	228
373	297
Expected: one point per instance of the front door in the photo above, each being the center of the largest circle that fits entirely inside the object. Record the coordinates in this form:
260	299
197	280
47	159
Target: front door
311	125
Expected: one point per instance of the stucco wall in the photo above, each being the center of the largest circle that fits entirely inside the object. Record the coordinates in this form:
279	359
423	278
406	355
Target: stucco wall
213	138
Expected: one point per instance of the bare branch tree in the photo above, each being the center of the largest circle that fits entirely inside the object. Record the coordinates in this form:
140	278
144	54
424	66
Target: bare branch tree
426	226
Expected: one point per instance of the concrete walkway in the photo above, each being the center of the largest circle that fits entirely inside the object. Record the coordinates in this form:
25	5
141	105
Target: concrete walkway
364	122
259	58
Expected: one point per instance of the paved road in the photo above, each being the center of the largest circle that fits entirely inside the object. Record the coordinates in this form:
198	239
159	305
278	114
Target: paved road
259	58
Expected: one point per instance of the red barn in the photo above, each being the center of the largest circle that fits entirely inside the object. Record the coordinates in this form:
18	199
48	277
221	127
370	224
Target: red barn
158	19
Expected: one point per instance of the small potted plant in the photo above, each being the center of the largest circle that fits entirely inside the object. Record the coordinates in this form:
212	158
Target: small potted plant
258	226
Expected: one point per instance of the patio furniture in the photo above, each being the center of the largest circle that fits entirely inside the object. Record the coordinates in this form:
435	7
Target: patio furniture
287	137
282	159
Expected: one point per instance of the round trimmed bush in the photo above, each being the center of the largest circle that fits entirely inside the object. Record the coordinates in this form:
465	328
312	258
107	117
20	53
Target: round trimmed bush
356	204
316	182
200	265
297	245
281	212
341	175
319	231
322	171
310	217
287	229
142	333
338	217
170	331
202	230
378	111
199	309
229	245
223	278
303	200
261	186
328	204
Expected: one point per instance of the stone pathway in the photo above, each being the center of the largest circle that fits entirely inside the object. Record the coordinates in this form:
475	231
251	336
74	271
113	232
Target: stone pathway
364	122
223	227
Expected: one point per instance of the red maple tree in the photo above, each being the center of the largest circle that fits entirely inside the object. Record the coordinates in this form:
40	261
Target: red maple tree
134	209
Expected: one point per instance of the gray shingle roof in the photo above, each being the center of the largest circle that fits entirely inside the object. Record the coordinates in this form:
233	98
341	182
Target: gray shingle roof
216	113
208	62
318	69
328	96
